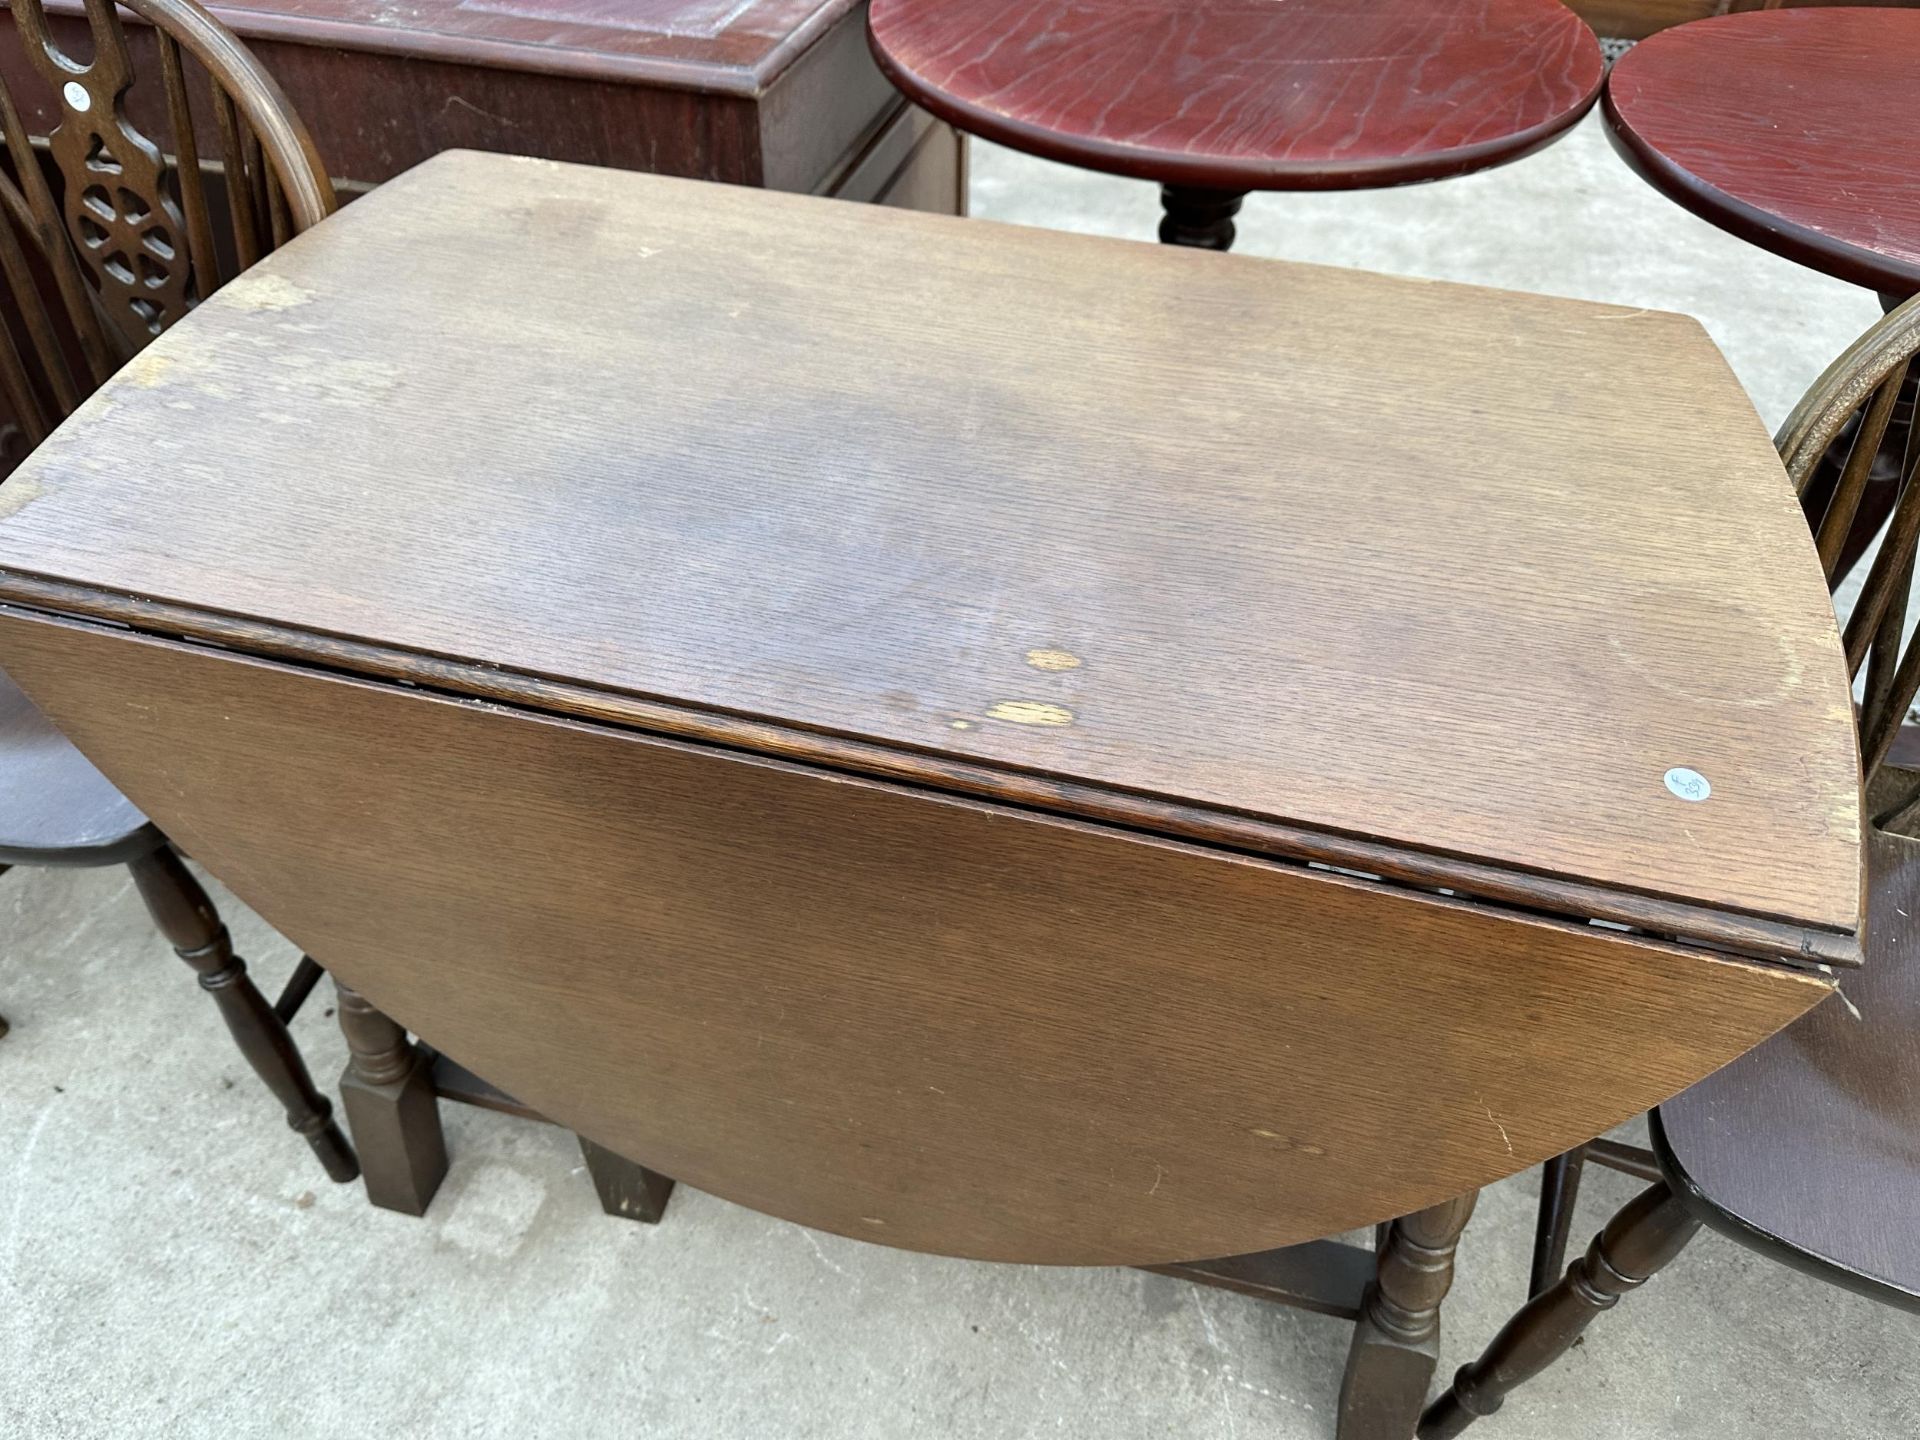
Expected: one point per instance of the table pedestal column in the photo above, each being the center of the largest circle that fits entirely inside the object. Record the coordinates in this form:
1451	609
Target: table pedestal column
1200	218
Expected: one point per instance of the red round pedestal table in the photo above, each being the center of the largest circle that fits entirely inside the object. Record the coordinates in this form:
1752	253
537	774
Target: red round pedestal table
1797	130
1214	98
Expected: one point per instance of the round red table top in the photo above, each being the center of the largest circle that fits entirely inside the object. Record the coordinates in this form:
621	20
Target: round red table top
1249	94
1798	130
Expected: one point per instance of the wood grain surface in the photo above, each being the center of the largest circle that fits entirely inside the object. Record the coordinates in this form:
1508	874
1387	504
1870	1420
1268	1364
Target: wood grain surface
1636	19
925	1022
733	46
1797	130
1023	516
1810	1145
1247	94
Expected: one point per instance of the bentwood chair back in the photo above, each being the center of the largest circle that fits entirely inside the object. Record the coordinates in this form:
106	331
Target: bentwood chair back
107	236
1804	1148
1860	391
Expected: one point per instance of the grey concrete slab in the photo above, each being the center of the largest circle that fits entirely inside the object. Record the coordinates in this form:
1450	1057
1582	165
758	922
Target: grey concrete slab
172	1262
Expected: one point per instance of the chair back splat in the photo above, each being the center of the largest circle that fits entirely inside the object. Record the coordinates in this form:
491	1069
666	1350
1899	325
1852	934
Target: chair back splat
108	234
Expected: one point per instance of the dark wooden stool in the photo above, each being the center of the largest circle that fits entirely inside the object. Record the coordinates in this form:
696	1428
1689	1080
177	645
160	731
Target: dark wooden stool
1215	98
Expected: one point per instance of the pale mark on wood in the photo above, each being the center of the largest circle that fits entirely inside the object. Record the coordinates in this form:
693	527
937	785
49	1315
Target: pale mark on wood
21	492
1047	659
469	106
1031	712
1505	1139
1288	1143
264	292
148	369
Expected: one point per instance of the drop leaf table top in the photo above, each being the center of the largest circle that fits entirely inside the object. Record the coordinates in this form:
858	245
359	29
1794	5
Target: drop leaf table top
876	717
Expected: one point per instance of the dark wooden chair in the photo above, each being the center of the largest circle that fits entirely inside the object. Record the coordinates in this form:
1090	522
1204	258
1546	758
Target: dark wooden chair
106	238
129	242
1807	1148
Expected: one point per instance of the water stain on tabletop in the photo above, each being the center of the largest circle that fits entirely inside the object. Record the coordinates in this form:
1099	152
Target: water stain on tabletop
568	219
1685	667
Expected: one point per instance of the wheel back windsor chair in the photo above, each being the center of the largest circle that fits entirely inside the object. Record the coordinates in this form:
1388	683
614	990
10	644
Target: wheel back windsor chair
108	236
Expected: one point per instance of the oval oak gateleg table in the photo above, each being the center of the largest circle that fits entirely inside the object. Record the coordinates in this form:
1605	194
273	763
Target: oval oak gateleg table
865	714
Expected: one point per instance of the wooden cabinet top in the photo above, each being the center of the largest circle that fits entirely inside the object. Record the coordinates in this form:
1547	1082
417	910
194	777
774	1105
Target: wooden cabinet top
731	46
1429	581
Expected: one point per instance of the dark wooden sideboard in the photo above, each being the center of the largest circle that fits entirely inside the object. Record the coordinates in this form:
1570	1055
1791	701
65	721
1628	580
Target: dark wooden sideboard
775	93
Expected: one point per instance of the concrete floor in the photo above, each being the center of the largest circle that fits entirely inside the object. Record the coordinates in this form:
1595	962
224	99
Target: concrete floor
173	1263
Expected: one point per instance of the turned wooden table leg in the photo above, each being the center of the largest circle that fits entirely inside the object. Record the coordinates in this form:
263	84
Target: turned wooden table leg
1396	1341
1644	1236
1199	218
630	1191
392	1109
192	925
